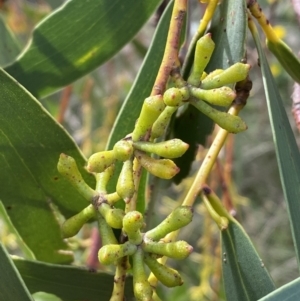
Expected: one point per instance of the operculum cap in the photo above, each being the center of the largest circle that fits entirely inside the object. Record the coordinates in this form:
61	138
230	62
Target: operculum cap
110	253
98	162
162	168
123	150
173	148
179	218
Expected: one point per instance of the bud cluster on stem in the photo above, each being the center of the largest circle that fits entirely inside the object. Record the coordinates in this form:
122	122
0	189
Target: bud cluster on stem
140	148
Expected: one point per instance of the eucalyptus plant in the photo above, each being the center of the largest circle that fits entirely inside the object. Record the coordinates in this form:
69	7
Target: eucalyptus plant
50	191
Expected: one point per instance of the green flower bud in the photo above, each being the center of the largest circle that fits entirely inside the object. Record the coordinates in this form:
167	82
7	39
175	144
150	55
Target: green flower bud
98	162
221	96
123	150
141	286
132	223
177	250
114	217
125	185
169	149
167	276
204	49
152	108
231	123
179	218
162	122
103	178
106	232
175	97
72	225
108	254
233	74
162	168
213	74
68	168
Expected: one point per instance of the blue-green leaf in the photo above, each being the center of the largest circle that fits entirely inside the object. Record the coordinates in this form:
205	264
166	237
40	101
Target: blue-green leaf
288	292
75	39
287	151
30	144
12	287
9	48
244	274
68	282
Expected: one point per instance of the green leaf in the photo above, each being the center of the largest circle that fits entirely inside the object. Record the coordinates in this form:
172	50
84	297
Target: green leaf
288	292
9	48
68	282
12	287
55	3
141	89
30	145
287	151
228	31
26	252
245	277
75	39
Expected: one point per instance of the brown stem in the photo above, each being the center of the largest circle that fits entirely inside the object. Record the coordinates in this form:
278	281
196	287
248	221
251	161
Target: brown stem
170	58
64	102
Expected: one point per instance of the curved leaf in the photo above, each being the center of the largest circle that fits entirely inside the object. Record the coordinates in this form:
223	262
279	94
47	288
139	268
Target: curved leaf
75	39
68	282
244	275
9	48
30	145
287	151
12	286
288	292
141	89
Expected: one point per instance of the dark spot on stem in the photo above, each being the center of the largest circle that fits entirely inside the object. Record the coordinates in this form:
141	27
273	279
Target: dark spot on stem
206	190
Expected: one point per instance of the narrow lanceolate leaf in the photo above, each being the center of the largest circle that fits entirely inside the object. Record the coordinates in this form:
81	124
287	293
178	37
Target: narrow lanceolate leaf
30	145
68	282
244	274
9	48
287	152
75	39
140	90
12	286
288	292
228	30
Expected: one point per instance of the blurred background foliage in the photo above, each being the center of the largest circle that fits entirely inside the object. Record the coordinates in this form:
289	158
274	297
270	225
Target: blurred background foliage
246	175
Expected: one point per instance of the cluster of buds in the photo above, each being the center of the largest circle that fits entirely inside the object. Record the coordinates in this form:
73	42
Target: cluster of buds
146	248
202	91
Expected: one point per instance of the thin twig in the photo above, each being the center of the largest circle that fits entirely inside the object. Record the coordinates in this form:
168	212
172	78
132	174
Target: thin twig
170	58
64	103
